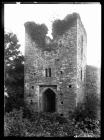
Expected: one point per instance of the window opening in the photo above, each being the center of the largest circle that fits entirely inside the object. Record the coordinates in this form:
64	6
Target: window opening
70	86
81	74
48	72
61	114
61	72
32	87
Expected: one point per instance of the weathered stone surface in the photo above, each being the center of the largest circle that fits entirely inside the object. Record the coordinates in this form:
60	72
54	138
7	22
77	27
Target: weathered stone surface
66	63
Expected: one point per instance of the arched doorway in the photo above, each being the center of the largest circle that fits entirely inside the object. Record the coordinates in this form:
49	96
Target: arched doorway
49	101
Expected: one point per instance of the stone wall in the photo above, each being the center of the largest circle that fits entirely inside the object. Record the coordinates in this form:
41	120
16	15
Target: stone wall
65	63
81	60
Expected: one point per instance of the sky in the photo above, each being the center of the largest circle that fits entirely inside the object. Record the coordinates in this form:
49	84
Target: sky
15	15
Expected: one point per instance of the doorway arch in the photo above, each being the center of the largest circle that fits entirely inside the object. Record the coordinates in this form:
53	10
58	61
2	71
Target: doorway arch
49	101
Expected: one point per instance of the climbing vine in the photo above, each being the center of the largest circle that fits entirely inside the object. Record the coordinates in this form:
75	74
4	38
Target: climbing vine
38	32
59	27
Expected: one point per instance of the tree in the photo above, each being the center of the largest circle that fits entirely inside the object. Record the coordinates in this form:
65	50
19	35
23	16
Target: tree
11	47
14	72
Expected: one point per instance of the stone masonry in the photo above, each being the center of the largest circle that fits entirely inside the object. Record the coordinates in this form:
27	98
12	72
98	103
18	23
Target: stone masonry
54	80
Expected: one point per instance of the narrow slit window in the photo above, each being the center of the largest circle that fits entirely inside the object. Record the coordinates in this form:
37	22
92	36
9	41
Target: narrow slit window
32	87
81	74
61	72
48	72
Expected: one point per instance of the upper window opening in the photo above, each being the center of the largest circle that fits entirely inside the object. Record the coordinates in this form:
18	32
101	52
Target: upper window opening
48	72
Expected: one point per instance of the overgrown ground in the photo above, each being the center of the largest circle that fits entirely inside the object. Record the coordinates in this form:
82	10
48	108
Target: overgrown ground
17	123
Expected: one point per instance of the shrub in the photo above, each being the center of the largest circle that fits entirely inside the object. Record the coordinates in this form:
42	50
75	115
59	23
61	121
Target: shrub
51	124
14	102
87	128
39	124
85	117
27	113
78	113
91	105
13	125
88	109
56	125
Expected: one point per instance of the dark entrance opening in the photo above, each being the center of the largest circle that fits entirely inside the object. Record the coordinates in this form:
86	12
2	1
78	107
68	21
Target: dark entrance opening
49	101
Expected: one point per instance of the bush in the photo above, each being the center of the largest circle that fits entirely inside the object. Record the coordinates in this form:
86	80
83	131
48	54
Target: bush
14	102
85	117
47	125
86	120
91	105
88	109
39	124
87	128
13	125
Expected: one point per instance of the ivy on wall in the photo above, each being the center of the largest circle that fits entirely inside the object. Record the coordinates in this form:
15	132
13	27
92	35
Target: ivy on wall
59	27
38	32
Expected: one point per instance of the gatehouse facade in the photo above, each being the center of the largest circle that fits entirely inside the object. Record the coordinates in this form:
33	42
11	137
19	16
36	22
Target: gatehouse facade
54	80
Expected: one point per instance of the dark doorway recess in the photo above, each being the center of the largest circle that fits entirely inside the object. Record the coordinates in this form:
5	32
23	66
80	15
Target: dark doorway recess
49	101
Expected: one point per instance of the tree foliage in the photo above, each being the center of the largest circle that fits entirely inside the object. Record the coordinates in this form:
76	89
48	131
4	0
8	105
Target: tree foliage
14	72
11	48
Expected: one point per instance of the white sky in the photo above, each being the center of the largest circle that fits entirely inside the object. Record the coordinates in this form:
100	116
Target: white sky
15	15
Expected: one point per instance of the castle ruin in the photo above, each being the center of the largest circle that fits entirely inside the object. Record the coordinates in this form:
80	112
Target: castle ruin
54	80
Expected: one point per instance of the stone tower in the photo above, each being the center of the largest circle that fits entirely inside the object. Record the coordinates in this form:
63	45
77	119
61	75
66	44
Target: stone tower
54	80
